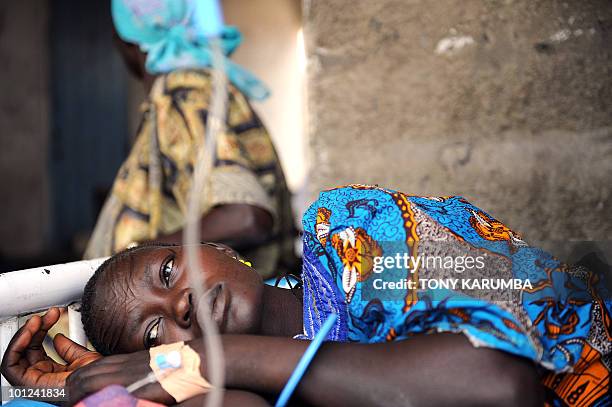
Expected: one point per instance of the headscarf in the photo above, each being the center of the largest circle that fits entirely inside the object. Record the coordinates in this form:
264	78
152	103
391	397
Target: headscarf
173	35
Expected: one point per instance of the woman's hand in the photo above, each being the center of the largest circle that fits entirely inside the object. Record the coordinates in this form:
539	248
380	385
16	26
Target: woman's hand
25	362
123	370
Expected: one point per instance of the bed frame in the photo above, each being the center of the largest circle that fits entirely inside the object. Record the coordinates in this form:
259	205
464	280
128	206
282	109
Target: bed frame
33	290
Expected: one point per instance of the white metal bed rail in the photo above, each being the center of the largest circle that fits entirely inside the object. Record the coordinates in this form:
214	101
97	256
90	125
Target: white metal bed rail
27	291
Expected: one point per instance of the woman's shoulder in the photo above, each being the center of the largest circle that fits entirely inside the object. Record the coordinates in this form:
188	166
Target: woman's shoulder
186	95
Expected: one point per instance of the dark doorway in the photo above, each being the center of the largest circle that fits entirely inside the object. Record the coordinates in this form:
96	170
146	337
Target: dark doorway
89	123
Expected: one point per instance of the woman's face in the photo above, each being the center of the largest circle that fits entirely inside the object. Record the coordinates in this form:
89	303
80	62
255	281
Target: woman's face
150	301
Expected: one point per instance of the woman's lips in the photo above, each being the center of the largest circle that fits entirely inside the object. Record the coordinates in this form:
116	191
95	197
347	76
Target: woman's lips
219	305
209	298
217	299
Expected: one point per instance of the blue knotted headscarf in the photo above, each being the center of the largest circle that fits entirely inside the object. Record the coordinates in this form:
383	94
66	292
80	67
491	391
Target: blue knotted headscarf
172	35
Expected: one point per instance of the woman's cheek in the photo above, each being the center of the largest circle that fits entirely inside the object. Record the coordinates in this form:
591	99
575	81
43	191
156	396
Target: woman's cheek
174	334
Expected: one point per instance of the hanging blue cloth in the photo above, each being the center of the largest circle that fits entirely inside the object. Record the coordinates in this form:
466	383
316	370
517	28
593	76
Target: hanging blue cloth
172	34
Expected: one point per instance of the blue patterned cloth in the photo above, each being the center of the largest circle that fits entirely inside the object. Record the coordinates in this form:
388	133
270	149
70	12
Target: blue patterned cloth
560	319
27	403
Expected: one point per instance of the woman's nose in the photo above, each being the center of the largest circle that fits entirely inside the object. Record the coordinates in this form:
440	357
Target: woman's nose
183	308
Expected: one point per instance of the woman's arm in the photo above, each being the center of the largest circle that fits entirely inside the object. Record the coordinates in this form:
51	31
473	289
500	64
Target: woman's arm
231	398
239	226
426	370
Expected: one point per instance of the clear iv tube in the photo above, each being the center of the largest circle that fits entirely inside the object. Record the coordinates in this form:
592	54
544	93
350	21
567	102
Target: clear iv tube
198	196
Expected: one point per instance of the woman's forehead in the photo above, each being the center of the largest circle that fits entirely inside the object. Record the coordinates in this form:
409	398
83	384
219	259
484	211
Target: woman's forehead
144	256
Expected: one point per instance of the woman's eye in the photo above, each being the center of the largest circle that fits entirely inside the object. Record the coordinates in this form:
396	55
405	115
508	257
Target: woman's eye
166	271
152	335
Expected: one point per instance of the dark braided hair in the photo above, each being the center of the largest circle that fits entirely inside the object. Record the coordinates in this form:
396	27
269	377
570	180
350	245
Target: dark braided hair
90	309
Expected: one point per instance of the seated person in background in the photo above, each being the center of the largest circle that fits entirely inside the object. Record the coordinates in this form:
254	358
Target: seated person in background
248	204
410	345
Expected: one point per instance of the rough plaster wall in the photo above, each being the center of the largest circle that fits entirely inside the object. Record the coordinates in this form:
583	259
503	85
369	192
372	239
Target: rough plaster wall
24	106
507	103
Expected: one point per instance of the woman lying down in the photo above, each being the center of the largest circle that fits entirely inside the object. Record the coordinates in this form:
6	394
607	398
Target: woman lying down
537	332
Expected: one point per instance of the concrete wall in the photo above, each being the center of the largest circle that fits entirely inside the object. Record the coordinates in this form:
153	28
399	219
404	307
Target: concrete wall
505	102
24	127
